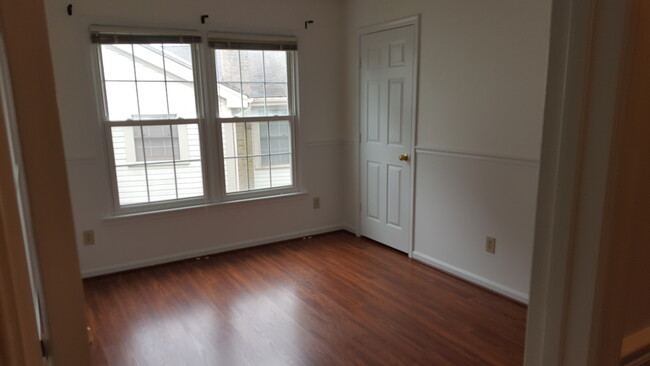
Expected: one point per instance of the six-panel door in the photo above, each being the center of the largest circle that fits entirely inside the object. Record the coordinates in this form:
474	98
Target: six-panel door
386	112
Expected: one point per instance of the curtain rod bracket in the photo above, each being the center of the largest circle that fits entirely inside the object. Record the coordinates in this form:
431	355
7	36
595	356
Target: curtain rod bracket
69	8
203	18
308	22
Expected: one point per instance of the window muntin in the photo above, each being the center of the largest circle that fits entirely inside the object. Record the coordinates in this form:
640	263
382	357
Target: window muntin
144	85
255	85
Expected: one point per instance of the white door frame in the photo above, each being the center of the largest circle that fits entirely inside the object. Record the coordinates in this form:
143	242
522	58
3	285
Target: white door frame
584	71
415	22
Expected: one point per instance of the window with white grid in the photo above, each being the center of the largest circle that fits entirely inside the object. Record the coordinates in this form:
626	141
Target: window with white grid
159	114
150	117
256	113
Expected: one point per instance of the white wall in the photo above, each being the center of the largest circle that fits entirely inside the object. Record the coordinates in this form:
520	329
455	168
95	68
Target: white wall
128	242
482	81
459	200
481	98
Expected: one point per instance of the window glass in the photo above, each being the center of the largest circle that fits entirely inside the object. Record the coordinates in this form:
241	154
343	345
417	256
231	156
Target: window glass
252	83
152	82
257	155
146	79
257	152
156	143
157	163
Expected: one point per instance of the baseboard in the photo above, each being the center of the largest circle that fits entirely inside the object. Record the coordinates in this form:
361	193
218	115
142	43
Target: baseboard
349	229
207	251
471	277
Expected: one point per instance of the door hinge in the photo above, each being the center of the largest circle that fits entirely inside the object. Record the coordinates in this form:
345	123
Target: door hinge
45	350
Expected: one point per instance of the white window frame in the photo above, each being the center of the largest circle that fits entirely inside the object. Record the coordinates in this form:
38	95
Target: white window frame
206	94
292	116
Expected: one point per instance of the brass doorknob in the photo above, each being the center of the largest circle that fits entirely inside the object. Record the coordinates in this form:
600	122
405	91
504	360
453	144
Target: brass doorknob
404	157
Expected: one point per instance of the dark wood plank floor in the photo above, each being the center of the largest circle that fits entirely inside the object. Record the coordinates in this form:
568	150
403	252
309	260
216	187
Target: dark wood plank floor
331	300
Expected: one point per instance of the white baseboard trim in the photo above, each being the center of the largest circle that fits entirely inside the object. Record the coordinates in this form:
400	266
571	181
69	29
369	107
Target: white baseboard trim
349	229
471	277
93	272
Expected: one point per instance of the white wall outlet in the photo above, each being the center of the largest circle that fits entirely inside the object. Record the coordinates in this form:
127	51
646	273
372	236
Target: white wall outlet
490	244
316	203
89	237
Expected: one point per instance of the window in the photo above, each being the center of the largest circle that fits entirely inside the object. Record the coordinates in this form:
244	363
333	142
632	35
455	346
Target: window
255	112
156	143
155	116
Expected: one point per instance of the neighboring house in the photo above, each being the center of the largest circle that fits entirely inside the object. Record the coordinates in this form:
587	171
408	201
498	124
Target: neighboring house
175	150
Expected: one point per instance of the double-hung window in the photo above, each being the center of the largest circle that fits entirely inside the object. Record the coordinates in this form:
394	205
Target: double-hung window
255	111
158	104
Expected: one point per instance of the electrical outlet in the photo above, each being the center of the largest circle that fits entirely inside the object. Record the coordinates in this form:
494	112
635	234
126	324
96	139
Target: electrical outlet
490	244
316	203
89	237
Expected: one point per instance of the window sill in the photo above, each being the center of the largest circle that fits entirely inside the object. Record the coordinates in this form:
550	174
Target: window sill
201	206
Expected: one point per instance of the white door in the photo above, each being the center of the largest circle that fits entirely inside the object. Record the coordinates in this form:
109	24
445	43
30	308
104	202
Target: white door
387	119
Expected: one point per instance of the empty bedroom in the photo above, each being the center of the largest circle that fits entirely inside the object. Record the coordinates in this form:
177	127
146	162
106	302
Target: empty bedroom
290	182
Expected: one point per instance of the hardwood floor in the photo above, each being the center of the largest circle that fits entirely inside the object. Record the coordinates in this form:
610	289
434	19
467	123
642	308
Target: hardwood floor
331	300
